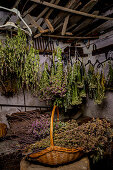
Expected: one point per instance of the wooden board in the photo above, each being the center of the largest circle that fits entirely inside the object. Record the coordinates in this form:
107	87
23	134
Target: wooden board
45	3
103	50
86	8
29	10
61	15
84	23
36	25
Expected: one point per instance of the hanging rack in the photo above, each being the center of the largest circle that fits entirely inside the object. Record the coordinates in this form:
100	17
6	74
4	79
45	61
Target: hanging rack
14	10
99	63
77	55
89	62
108	59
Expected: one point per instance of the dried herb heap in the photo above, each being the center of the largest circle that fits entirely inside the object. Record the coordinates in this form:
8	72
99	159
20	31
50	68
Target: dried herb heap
93	137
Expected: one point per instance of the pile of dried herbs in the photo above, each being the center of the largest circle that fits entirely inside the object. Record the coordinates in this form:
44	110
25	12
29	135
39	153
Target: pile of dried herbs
93	137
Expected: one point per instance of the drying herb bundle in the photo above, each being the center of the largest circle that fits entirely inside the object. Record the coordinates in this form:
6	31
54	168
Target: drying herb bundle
100	91
53	82
20	60
110	76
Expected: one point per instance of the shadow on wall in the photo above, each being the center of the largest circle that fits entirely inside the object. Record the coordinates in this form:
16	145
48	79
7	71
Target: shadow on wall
104	110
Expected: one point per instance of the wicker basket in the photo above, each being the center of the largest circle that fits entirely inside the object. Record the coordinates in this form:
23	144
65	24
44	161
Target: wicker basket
55	155
3	129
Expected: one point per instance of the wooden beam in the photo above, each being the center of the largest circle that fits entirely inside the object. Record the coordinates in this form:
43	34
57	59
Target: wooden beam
44	11
68	33
103	50
49	25
71	10
29	10
51	10
101	27
36	25
71	4
39	34
65	25
14	6
16	3
86	8
74	37
66	20
85	23
104	25
58	26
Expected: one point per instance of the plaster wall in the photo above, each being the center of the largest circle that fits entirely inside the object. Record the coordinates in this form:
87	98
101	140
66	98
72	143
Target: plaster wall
105	110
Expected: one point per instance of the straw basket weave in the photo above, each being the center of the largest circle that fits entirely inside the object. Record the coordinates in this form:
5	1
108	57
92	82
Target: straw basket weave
55	155
3	129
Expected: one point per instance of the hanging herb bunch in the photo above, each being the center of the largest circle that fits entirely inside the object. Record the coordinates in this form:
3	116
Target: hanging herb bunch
91	81
53	82
44	84
100	91
110	76
20	60
75	84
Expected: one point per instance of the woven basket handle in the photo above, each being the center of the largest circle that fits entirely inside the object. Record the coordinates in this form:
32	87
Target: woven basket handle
51	125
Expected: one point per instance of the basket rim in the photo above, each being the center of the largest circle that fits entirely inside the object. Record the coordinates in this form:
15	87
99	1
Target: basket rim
54	148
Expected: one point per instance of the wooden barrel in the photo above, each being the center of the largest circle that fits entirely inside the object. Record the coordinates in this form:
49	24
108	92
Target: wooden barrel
3	129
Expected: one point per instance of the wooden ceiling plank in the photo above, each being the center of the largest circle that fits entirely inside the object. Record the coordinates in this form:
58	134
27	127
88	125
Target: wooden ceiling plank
14	6
70	10
69	37
68	33
61	15
51	10
29	10
65	25
86	8
16	3
44	11
37	35
66	20
58	26
36	25
85	23
103	25
49	25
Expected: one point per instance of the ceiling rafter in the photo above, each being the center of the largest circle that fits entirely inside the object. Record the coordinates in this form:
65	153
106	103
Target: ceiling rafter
86	8
85	23
51	10
29	10
14	6
70	10
62	14
44	11
68	37
100	26
66	20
